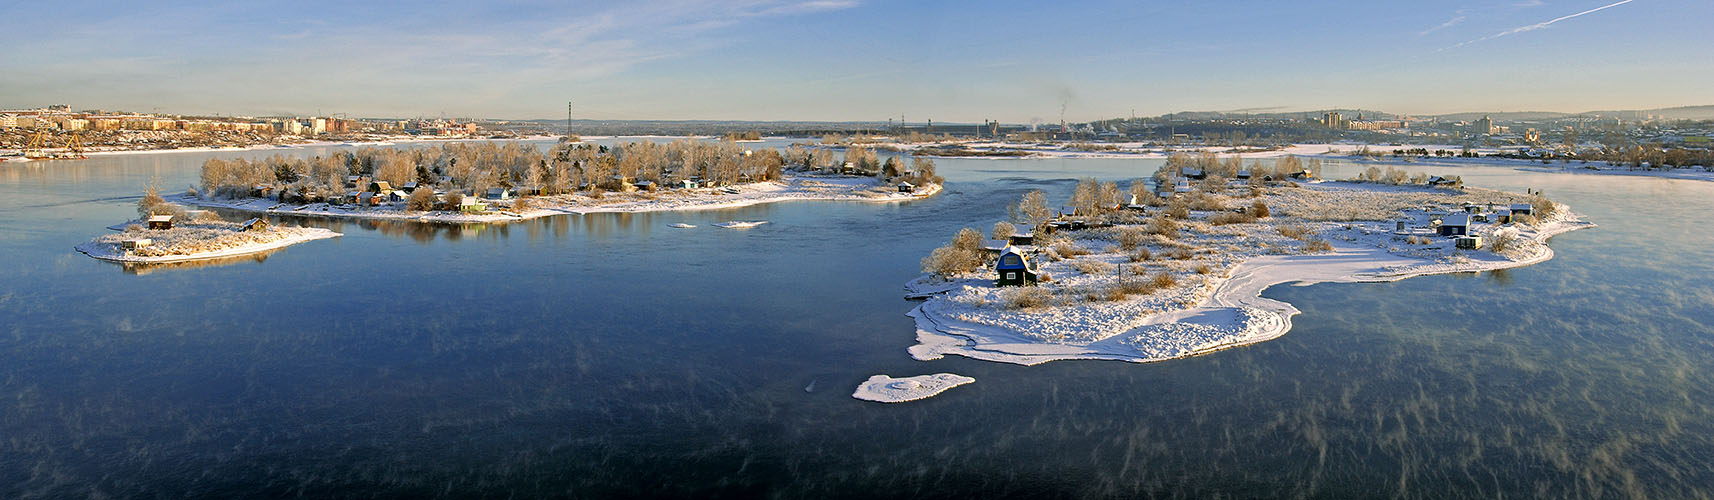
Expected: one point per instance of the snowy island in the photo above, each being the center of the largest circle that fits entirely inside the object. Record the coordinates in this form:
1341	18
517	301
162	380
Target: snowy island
488	182
1178	271
166	233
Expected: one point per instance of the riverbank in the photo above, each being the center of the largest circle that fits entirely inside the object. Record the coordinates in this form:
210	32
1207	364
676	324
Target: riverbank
1199	290
196	241
791	187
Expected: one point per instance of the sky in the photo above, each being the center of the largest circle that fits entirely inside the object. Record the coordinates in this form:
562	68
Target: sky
854	60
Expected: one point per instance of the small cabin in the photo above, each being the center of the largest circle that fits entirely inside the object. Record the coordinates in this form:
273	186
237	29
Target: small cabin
1469	242
1183	186
1503	216
1193	173
1438	181
135	243
690	183
160	222
1067	212
262	191
499	193
380	187
995	247
1014	269
409	187
906	187
256	224
1021	239
472	204
1472	208
1522	209
644	185
1455	225
369	199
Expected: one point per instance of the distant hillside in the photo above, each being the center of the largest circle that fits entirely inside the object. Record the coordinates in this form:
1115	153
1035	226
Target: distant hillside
1705	112
1502	116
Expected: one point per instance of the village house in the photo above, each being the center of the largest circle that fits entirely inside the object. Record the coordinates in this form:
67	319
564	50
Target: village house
1013	269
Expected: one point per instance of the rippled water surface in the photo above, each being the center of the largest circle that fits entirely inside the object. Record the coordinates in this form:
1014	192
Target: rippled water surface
611	355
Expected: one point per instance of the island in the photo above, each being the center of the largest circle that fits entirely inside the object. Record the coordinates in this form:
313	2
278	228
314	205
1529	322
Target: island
885	389
1177	268
502	182
167	233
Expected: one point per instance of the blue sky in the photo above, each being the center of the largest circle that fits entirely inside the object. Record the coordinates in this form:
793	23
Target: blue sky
856	59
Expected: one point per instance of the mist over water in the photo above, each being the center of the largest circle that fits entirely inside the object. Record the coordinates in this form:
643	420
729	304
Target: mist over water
611	355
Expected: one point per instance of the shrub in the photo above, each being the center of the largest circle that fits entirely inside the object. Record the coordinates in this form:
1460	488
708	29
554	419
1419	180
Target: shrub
1131	237
1068	250
1162	226
1502	241
1003	230
1163	280
1142	254
1317	245
962	255
1202	269
523	204
1294	231
1182	254
454	198
1224	218
1542	207
421	200
1259	209
1178	211
1093	267
1205	203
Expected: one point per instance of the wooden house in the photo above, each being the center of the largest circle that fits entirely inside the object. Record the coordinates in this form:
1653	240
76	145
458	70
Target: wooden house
160	222
135	243
380	187
691	183
499	193
644	185
256	224
906	187
1503	216
1013	269
995	247
409	187
1193	173
1455	225
1522	209
1021	239
1468	242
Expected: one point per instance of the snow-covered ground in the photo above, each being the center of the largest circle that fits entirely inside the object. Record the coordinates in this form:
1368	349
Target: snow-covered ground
109	247
793	187
1215	302
884	389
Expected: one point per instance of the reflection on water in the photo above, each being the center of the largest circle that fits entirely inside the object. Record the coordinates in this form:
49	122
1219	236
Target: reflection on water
594	354
140	269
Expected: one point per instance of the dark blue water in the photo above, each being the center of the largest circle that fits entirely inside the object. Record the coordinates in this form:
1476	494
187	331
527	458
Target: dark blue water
611	355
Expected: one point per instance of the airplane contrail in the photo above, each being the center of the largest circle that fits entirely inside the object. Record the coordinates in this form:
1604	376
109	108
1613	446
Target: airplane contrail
1539	25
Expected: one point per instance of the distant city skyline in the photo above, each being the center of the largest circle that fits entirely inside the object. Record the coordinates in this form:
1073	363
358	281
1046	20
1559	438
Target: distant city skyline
851	60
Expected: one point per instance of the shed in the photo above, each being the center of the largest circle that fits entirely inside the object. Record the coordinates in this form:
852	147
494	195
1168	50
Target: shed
1018	238
690	183
499	193
351	197
1243	175
1503	216
256	224
1470	242
135	243
408	187
906	187
160	222
1013	269
1522	209
1455	225
1183	186
995	246
368	198
351	181
644	185
1068	212
1439	181
1193	173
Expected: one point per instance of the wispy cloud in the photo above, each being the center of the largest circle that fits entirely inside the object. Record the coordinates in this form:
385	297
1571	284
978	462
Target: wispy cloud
1529	3
1457	17
1537	26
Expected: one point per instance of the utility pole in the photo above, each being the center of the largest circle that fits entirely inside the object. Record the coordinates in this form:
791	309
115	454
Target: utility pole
568	118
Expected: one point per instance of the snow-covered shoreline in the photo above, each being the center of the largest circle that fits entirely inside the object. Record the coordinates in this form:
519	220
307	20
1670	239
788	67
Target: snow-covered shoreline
1224	310
793	187
295	235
